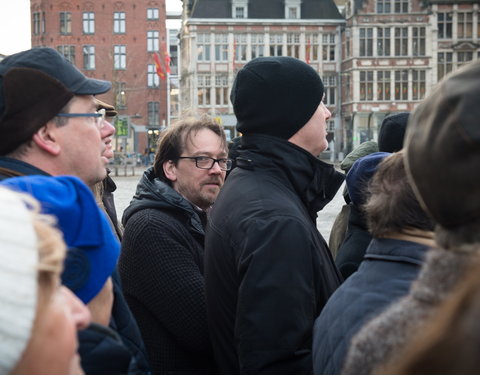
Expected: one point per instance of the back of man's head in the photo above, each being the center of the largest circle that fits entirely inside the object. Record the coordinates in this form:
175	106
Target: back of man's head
275	96
392	132
392	206
443	156
34	86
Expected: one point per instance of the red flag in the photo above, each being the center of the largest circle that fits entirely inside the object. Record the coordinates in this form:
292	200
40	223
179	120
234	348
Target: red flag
167	62
167	57
158	66
307	52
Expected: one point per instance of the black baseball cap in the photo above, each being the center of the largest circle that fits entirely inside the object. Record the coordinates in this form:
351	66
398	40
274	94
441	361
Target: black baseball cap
34	86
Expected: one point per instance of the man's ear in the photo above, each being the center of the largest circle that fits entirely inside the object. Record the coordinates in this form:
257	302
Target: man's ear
46	138
170	170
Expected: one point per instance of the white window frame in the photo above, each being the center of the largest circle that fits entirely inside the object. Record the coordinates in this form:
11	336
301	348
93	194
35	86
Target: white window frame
89	57
153	14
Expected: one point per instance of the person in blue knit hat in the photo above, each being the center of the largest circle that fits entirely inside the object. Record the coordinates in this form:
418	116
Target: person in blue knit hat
93	250
357	238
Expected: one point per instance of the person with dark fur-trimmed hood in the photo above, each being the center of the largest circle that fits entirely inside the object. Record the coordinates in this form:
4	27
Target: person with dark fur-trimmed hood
442	153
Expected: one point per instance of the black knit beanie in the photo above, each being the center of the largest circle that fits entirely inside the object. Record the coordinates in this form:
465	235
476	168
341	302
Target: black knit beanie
275	96
392	132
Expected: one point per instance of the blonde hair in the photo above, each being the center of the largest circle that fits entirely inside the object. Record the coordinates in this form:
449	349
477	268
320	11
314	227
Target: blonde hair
51	250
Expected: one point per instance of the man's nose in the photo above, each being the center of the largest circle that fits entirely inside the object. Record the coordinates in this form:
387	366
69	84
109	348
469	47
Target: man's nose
107	129
215	169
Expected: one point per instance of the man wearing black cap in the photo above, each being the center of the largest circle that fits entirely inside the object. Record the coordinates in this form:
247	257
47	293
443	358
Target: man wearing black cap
268	270
51	125
48	117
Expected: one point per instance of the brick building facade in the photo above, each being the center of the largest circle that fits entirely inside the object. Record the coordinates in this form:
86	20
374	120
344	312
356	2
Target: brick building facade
115	41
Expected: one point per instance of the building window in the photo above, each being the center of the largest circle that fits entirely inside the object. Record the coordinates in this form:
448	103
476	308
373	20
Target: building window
36	23
444	64
152	14
43	23
445	25
330	83
418	84
293	45
464	58
383	85
65	23
221	90
120	57
119	22
153	80
240	12
153	109
418	41
257	43
383	41
88	57
68	52
401	85
203	47
311	49
383	6
88	23
366	41
401	6
328	47
221	47
366	85
153	41
401	41
240	41
387	6
293	12
464	26
276	44
204	90
348	85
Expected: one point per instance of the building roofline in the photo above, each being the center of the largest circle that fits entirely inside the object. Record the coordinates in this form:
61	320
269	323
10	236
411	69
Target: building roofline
255	21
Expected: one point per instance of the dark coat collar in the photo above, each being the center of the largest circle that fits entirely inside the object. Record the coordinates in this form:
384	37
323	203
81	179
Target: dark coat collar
313	180
153	193
10	167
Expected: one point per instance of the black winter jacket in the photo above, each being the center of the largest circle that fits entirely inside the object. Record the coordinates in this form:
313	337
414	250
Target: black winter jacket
161	266
389	268
268	270
122	321
357	238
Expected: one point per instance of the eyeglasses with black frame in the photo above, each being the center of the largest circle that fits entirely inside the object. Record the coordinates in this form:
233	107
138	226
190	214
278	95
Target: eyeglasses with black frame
99	116
205	162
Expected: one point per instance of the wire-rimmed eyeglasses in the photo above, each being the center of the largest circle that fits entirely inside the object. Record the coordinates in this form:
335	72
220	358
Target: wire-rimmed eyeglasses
99	116
205	162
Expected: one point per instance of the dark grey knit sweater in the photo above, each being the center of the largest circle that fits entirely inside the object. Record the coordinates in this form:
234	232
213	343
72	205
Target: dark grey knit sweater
161	267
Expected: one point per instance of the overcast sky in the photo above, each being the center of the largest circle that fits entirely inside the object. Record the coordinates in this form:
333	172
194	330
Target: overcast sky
15	24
